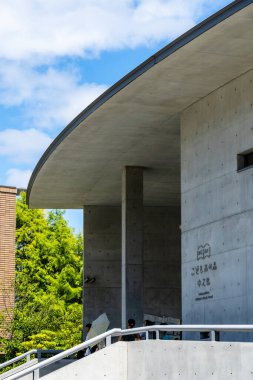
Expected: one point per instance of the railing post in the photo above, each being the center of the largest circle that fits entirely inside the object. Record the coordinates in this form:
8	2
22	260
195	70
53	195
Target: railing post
213	335
157	335
147	335
108	340
36	374
28	357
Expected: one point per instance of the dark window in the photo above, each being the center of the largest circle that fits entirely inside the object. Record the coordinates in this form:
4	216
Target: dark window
244	160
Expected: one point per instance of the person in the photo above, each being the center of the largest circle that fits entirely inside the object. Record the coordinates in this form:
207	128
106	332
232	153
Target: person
85	351
89	350
147	322
132	337
168	336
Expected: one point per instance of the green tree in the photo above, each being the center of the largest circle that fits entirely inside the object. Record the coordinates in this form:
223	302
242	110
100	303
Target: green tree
48	287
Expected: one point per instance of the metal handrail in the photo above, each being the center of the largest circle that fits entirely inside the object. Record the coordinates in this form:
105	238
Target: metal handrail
118	332
64	354
26	355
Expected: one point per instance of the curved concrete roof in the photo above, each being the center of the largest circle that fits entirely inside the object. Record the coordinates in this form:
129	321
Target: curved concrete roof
137	121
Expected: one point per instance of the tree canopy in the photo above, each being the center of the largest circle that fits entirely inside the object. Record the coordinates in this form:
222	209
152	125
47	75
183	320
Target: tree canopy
48	286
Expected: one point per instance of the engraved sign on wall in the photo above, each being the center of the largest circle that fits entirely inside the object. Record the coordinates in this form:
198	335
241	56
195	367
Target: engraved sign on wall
203	271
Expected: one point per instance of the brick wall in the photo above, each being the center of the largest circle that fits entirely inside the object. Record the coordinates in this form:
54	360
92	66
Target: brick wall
7	248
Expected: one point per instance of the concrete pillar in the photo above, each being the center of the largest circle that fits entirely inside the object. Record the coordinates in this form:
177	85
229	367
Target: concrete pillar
132	245
102	264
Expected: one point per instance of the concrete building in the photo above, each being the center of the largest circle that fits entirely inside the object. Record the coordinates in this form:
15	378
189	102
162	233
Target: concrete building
162	165
7	249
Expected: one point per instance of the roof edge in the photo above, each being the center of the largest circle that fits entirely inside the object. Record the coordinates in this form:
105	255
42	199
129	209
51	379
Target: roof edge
169	49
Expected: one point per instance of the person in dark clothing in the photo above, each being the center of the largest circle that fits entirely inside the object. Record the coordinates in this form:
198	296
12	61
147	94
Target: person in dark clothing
147	322
81	353
89	350
132	337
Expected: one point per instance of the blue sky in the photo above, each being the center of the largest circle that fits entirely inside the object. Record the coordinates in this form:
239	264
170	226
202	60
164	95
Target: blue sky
56	56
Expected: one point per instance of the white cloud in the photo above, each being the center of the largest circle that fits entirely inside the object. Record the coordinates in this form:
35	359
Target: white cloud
45	29
18	178
57	97
50	98
37	32
23	146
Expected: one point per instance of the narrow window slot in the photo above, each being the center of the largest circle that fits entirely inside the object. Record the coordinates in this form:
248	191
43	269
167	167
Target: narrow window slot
244	160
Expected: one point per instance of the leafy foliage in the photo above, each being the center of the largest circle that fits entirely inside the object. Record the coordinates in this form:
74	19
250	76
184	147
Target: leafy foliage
48	307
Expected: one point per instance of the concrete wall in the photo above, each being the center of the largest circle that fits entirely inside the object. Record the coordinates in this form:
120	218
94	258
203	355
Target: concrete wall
39	373
162	261
163	360
102	260
217	206
109	363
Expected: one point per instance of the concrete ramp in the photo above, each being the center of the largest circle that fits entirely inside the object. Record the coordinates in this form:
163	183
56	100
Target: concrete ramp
163	360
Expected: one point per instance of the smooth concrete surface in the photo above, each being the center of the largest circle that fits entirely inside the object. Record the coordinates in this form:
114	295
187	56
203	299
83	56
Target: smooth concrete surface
139	124
40	373
53	367
132	285
162	261
217	207
189	360
102	260
109	363
171	360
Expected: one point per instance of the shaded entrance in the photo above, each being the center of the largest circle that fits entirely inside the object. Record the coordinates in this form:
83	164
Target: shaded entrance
150	261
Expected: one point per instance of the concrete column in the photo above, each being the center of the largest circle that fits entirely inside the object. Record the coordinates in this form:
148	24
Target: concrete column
102	262
132	245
